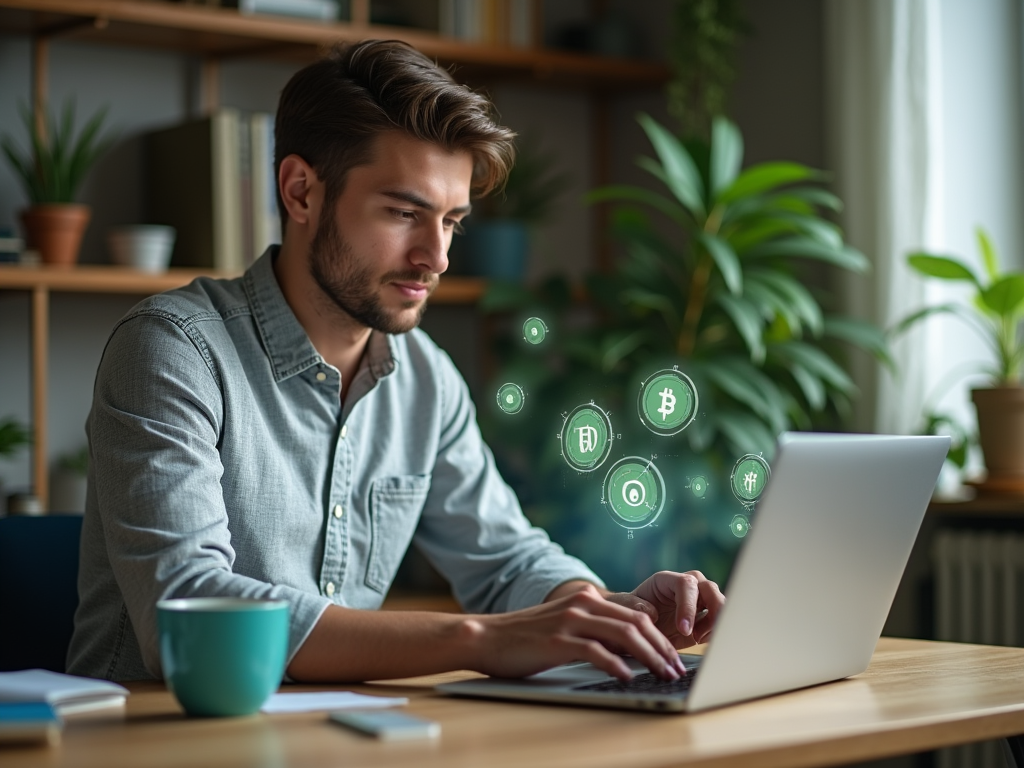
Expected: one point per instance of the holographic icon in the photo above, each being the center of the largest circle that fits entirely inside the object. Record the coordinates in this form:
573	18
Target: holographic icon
667	402
586	437
534	330
511	398
634	492
740	526
698	486
749	478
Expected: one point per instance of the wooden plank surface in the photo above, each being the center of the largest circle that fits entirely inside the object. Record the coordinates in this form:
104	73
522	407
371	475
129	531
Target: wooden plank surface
915	696
97	278
225	32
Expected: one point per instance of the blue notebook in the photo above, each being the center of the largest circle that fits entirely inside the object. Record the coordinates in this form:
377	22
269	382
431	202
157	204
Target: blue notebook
28	722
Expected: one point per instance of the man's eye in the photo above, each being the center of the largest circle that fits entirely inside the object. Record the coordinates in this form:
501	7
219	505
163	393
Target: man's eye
403	215
455	226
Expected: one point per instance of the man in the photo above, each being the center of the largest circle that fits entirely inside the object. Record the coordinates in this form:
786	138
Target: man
287	434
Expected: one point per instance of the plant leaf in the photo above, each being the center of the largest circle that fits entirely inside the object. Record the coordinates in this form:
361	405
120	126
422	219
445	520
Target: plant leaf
1005	295
817	362
942	267
726	154
862	334
725	259
617	346
810	385
766	176
502	296
800	298
988	254
746	433
742	381
846	257
748	322
622	192
681	172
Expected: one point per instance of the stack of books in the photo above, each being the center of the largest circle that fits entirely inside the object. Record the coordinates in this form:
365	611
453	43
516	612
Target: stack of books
33	702
212	179
492	22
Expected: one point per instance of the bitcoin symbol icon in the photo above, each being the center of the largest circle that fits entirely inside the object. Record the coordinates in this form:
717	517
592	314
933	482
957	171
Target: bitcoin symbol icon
740	526
749	478
511	398
586	437
668	402
634	492
699	486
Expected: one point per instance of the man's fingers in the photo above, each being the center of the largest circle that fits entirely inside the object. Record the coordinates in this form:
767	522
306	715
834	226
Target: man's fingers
624	634
599	656
687	595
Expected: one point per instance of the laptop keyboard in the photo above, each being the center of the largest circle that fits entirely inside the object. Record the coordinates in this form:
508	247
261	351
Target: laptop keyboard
643	684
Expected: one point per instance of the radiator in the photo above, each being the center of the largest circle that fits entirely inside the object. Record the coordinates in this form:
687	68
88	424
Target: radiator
979	586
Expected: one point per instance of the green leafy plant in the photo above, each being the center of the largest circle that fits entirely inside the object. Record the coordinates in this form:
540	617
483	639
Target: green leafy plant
55	165
12	437
995	311
703	51
712	280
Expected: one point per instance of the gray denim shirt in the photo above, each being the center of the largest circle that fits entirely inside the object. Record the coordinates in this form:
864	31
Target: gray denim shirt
222	463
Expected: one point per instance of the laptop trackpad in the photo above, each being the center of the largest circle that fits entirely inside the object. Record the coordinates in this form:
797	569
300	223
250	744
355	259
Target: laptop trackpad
582	673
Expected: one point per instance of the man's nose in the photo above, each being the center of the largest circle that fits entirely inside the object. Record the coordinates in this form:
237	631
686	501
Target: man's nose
431	251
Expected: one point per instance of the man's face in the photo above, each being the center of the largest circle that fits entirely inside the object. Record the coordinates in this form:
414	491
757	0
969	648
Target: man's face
378	251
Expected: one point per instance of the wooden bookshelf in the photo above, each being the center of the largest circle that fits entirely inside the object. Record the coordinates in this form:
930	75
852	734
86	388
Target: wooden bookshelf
225	33
42	280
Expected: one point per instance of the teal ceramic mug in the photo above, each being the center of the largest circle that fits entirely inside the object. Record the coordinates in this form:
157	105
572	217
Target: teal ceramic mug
222	655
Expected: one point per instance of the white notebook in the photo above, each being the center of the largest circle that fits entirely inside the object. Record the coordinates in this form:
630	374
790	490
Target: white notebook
67	694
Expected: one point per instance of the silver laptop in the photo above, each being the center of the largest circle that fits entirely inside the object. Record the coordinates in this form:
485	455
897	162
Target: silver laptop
810	590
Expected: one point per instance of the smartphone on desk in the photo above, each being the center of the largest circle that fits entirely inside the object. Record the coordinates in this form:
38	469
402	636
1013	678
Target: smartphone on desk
387	725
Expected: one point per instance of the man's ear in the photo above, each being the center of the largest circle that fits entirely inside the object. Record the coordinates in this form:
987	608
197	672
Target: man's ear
301	190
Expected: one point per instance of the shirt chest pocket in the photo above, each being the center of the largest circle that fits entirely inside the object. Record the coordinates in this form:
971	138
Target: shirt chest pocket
395	507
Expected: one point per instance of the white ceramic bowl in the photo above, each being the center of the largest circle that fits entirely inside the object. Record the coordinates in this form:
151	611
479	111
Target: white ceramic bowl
146	247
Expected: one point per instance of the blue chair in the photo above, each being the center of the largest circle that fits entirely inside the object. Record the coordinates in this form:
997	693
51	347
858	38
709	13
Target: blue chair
38	590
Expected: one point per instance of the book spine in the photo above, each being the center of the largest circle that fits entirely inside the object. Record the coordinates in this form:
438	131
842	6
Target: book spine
227	206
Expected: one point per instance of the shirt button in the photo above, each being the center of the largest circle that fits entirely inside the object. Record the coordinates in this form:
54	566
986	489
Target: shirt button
338	511
321	376
344	431
330	588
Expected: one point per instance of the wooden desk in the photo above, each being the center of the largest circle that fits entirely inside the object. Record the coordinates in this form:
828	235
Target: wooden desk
915	696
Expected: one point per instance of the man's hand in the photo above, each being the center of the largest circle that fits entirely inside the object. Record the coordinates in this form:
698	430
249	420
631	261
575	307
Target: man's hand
676	603
580	626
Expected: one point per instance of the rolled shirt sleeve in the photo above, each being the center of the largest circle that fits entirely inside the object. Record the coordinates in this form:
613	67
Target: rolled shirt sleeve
154	432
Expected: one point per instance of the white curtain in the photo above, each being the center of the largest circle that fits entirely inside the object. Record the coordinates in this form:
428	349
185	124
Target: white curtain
883	79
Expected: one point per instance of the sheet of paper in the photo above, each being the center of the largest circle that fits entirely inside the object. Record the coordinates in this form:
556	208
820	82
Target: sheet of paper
55	688
327	700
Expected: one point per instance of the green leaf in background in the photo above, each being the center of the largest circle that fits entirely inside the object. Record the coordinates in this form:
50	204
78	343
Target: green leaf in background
806	247
747	321
800	299
862	334
812	386
988	253
766	177
1005	295
681	174
726	154
725	260
817	362
943	267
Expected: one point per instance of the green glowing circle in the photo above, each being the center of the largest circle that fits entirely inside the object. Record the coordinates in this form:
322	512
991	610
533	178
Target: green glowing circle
699	486
749	478
511	398
667	402
586	437
739	526
534	330
634	492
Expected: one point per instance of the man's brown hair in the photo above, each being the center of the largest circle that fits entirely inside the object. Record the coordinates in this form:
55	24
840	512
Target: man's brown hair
331	111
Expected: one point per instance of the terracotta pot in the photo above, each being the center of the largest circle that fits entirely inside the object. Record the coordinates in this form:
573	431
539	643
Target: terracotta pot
55	230
1001	429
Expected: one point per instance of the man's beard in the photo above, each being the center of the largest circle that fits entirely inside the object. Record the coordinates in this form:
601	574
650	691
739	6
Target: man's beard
351	288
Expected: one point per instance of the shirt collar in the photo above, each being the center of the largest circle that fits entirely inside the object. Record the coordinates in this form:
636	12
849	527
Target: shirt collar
285	340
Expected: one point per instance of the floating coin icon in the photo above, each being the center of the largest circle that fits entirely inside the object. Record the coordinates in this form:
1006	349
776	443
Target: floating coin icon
739	526
534	330
586	437
749	478
699	486
511	398
634	492
667	402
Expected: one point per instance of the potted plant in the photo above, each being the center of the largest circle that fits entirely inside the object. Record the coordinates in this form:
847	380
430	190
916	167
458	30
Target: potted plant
995	311
711	280
497	240
51	172
12	437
